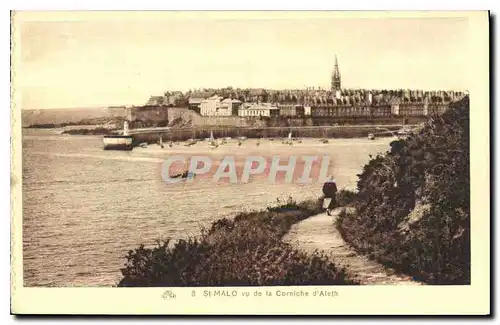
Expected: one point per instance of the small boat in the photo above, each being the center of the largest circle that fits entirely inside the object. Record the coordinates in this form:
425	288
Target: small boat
190	142
185	174
119	142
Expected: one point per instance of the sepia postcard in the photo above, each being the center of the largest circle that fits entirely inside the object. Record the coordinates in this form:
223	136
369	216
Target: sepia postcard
250	163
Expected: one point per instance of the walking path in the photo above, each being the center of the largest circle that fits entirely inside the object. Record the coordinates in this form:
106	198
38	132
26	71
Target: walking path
320	233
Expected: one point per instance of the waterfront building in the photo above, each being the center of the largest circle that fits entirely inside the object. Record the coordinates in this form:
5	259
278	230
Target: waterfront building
230	107
216	106
194	103
291	110
258	109
210	106
336	101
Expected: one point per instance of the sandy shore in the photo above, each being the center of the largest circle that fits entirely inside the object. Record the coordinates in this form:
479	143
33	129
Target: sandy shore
262	147
346	157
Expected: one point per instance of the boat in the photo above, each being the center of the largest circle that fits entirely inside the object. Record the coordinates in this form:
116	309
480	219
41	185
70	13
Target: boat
190	142
213	143
119	141
371	136
185	174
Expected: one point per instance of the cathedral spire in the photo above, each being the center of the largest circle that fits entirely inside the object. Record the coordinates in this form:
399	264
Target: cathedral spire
336	76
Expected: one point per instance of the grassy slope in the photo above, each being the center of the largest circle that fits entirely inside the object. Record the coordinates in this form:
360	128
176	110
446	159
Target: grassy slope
247	250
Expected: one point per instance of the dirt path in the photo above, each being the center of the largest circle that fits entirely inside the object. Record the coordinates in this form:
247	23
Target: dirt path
319	232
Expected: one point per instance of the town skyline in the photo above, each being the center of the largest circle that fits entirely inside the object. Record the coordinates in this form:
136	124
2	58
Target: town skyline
90	62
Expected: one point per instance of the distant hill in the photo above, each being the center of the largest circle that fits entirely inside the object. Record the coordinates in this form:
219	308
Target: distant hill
68	115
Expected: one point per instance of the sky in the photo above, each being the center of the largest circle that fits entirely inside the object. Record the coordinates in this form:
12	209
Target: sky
96	60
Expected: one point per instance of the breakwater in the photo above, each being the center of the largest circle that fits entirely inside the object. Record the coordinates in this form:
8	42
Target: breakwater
358	131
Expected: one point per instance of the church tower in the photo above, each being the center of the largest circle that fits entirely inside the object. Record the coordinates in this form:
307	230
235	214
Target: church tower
336	76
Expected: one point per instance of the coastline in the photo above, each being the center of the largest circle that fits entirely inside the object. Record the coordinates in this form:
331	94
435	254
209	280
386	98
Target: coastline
247	250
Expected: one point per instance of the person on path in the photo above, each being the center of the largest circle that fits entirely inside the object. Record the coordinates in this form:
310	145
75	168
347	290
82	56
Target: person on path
330	192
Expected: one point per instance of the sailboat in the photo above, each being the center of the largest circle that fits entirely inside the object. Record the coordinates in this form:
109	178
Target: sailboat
213	143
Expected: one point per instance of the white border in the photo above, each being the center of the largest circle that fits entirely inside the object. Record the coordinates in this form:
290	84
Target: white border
258	4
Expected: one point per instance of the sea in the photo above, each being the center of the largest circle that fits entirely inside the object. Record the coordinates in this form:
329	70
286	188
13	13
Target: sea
84	208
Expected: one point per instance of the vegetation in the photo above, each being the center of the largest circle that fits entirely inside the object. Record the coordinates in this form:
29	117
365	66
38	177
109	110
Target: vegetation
412	206
345	198
246	250
96	131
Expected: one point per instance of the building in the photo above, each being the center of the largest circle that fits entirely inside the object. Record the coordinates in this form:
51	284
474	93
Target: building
216	106
291	110
210	106
194	103
257	110
345	110
230	106
336	83
312	101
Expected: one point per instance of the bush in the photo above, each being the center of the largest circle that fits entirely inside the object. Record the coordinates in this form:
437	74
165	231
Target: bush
345	197
246	250
413	202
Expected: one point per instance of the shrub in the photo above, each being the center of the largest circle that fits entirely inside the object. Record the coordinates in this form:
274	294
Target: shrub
345	197
246	250
413	202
